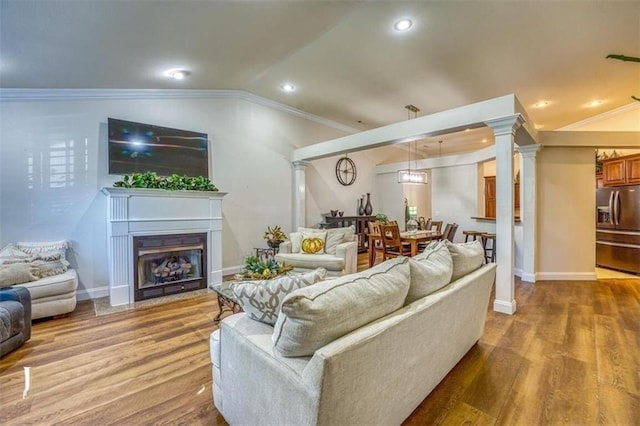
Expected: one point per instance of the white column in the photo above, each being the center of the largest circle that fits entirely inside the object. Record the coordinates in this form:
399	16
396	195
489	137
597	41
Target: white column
505	130
528	210
299	194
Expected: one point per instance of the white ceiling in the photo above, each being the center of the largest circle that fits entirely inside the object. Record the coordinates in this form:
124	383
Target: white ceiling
347	63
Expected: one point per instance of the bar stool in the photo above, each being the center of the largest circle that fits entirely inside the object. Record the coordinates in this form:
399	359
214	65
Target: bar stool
474	235
489	249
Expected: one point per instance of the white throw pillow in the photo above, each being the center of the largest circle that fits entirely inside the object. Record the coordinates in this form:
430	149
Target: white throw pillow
46	249
430	271
261	300
12	254
314	316
467	257
296	241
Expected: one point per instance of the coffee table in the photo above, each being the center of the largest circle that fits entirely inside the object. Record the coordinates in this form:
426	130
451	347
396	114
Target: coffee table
226	299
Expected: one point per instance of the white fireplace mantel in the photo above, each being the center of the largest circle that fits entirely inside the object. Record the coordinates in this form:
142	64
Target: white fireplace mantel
139	212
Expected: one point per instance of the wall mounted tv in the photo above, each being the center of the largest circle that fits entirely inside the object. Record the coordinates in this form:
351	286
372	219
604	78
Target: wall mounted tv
138	148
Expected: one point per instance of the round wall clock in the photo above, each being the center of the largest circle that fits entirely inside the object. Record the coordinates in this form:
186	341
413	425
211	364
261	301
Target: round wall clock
346	171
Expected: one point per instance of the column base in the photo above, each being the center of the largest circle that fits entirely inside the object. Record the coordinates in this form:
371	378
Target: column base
503	307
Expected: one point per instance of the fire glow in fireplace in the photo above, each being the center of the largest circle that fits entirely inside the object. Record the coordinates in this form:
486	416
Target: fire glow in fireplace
169	264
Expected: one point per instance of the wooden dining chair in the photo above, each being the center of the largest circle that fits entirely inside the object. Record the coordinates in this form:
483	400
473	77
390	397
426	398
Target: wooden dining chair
392	243
436	225
377	247
445	233
452	232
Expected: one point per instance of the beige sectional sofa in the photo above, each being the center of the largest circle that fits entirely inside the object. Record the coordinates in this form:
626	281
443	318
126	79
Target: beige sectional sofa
54	295
360	349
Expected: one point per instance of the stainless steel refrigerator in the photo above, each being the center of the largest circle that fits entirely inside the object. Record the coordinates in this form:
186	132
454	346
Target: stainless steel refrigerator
618	228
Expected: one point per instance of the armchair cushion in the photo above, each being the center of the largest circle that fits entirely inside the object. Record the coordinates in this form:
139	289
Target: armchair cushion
312	261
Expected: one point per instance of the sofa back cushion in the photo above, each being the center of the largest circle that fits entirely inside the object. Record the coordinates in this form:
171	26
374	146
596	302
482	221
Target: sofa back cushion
314	316
467	257
261	300
430	271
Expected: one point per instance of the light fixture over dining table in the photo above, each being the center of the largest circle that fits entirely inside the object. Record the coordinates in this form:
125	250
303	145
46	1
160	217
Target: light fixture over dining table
408	175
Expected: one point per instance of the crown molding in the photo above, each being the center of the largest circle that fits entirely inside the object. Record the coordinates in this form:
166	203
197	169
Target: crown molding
48	95
605	115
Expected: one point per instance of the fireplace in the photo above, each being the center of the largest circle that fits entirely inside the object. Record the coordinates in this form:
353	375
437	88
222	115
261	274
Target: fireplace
168	264
157	225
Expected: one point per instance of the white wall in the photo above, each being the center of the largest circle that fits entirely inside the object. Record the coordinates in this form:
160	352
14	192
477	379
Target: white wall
250	145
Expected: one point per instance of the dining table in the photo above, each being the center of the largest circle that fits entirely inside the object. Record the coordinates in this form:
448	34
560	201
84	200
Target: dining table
413	238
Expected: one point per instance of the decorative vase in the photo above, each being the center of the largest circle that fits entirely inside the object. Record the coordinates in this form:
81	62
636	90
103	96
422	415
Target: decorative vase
274	243
361	207
368	208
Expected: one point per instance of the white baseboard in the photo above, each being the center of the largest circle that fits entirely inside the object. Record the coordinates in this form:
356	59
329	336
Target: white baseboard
528	277
232	270
93	293
566	276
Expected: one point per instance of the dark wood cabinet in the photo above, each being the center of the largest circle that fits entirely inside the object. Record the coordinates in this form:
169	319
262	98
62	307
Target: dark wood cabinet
490	197
361	224
621	170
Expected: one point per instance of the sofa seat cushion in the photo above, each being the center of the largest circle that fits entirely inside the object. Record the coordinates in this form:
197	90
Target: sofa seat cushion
312	261
53	286
467	257
430	271
314	316
261	299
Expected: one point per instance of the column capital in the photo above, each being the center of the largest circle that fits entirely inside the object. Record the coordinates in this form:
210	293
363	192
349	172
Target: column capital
529	151
506	125
300	164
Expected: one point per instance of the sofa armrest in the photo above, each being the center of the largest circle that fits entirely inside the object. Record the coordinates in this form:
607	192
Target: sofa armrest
21	295
254	377
285	247
349	252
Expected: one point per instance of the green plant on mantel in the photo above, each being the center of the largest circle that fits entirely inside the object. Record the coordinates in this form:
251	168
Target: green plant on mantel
174	182
626	59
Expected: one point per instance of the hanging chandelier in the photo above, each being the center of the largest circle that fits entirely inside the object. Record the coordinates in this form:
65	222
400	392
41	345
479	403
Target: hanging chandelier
408	175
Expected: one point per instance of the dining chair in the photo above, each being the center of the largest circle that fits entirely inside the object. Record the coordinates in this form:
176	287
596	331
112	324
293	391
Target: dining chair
452	231
377	247
437	224
445	233
392	243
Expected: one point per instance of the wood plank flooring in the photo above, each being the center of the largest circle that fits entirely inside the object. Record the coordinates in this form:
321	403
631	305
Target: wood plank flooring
570	355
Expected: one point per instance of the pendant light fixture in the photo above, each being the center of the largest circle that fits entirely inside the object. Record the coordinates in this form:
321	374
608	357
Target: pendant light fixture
407	175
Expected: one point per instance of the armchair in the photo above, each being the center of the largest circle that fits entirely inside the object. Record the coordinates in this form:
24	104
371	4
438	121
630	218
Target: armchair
339	255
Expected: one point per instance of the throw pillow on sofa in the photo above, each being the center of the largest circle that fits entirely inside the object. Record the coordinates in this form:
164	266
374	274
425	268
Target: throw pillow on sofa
467	257
46	248
48	268
313	242
17	273
430	271
261	300
12	254
334	237
314	316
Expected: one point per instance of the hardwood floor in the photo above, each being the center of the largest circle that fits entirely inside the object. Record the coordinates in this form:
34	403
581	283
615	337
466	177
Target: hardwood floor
570	355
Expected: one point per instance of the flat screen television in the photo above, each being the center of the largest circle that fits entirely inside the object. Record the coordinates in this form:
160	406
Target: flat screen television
139	148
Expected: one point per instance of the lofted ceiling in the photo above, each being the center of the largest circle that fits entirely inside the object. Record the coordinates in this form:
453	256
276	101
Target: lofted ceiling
344	58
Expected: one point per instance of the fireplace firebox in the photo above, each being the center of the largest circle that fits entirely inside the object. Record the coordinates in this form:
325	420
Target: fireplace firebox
169	264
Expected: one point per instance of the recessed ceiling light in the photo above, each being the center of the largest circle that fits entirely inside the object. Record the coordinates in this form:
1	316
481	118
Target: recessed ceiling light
177	74
288	87
541	104
403	25
595	103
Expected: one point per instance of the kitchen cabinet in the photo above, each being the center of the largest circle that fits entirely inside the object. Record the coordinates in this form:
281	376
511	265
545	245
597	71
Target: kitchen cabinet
621	170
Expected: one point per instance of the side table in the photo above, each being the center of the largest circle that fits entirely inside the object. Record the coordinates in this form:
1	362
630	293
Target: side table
266	253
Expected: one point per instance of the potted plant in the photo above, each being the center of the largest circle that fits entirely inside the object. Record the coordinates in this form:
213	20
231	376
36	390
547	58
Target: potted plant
172	183
274	236
381	217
